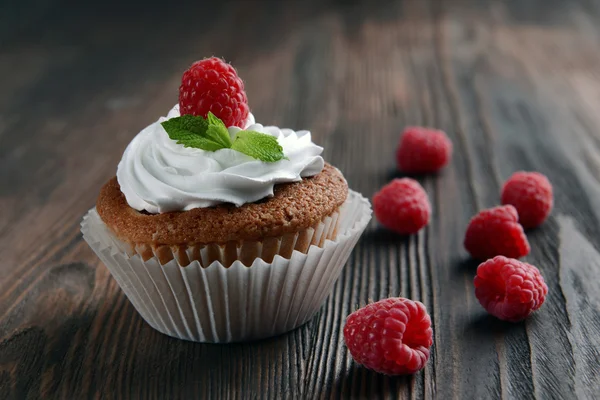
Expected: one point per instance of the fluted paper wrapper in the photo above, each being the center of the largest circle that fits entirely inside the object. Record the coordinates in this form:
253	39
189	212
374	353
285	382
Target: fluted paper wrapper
220	304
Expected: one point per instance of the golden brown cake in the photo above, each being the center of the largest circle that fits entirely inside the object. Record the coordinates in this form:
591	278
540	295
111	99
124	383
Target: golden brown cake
290	218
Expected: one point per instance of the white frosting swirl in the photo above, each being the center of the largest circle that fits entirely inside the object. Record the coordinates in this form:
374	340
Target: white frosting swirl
158	175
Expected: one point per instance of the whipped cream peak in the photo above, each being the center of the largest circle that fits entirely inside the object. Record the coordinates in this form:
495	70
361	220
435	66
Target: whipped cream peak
158	175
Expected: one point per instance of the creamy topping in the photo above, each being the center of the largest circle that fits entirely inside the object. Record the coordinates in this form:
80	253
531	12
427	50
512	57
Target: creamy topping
158	175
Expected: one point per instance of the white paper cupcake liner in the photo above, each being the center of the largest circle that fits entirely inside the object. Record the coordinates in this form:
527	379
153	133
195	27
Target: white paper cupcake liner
220	304
245	251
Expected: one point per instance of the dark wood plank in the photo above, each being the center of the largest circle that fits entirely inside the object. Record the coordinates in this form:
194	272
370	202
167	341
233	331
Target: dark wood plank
513	83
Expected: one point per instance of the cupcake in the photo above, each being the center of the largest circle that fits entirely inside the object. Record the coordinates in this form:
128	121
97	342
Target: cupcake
220	229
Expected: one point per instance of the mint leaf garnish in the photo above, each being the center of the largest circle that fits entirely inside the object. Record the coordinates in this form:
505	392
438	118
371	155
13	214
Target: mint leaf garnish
217	131
211	134
258	145
192	131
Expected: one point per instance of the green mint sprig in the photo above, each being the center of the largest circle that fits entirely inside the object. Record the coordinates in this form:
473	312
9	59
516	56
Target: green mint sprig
211	134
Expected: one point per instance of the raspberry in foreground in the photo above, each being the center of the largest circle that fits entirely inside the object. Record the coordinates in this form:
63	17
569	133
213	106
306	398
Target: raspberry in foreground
402	206
423	150
391	336
496	232
531	194
213	85
509	289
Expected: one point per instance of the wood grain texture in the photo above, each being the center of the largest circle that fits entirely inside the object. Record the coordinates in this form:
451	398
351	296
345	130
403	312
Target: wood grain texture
514	83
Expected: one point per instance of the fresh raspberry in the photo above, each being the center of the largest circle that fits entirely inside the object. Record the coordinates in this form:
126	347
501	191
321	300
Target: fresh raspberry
423	150
531	194
402	206
213	85
509	289
391	336
496	232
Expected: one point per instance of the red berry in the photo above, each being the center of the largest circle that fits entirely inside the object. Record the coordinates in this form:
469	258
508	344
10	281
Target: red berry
402	206
423	150
531	194
391	336
509	289
496	232
213	85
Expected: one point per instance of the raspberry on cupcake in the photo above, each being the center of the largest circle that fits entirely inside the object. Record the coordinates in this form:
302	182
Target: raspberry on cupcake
212	85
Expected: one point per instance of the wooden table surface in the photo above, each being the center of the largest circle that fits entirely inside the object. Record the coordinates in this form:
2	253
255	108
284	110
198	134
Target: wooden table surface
516	84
